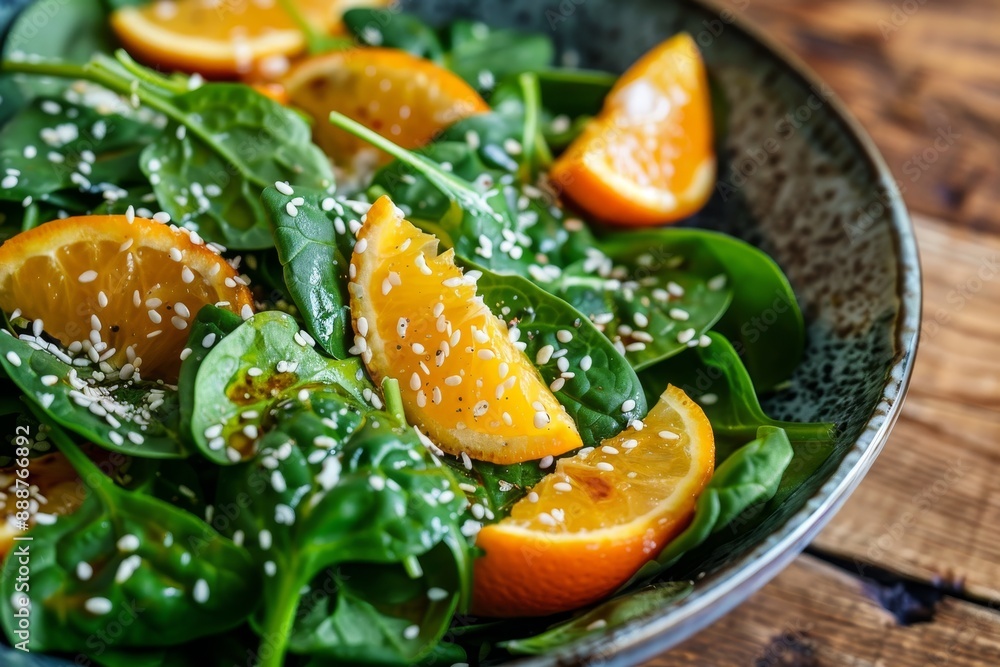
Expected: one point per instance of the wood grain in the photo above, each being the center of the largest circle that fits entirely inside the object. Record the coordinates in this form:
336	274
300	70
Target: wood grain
817	615
911	78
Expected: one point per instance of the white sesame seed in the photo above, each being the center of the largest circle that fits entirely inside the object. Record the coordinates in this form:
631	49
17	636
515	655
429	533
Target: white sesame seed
208	341
417	348
557	384
605	466
128	542
182	310
411	632
675	289
685	336
179	323
628	405
98	605
155	317
363	326
254	372
564	336
246	312
161	217
608	449
704	341
187	275
708	399
200	591
453	380
264	538
541	419
88	276
717	283
630	444
361	246
563	486
485	355
415	382
84	571
544	355
678	314
13	358
435	594
284	188
49	380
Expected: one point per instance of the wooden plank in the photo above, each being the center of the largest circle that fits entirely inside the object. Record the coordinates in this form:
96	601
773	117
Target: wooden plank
930	506
922	77
815	614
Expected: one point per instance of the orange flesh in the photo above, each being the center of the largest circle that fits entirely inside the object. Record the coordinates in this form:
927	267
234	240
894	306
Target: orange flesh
464	382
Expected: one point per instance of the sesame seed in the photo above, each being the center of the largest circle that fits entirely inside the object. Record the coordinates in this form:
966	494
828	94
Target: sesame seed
84	571
608	449
187	275
557	384
562	486
284	188
88	276
415	382
361	246
605	466
49	380
453	380
161	217
485	355
417	348
182	310
246	312
435	594
675	289
678	314
13	358
200	591
546	519
541	419
630	444
362	326
154	317
452	282
98	605
532	497
564	336
128	542
102	299
640	320
436	397
704	341
668	435
421	399
544	355
411	632
709	399
717	283
685	336
264	538
179	323
130	214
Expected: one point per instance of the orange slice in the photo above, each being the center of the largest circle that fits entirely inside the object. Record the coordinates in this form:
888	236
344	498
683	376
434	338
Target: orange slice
222	38
647	158
587	527
118	291
406	99
464	382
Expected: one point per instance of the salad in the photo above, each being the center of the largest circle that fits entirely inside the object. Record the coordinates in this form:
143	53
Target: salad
335	338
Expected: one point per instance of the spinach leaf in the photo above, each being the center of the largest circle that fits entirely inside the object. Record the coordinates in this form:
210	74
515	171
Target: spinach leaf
595	384
653	301
747	479
139	418
348	503
764	321
264	361
315	246
236	142
165	576
483	55
223	143
716	372
604	617
494	486
394	29
54	144
209	327
574	93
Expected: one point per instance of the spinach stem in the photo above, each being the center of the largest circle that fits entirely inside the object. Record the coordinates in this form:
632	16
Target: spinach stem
393	398
31	216
279	621
102	72
444	181
536	152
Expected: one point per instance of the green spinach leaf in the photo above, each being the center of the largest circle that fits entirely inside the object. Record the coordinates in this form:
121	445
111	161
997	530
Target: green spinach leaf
356	526
315	246
138	418
595	384
604	617
715	377
164	575
391	28
264	361
483	55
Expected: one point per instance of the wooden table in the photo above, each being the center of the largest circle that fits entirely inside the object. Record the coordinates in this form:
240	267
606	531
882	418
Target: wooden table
928	514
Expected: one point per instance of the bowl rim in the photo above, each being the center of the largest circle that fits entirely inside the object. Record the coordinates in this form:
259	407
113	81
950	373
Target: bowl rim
718	595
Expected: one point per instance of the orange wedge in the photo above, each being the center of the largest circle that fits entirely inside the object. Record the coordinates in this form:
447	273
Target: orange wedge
464	382
587	527
647	158
222	38
118	291
406	99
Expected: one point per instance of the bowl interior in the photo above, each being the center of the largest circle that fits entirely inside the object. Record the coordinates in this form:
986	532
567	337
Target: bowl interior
797	181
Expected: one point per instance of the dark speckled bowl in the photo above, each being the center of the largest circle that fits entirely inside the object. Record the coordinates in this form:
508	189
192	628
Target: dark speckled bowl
803	181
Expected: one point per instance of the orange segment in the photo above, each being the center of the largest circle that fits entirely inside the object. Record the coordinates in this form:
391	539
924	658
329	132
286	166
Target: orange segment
100	284
647	158
464	382
221	38
402	97
592	523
